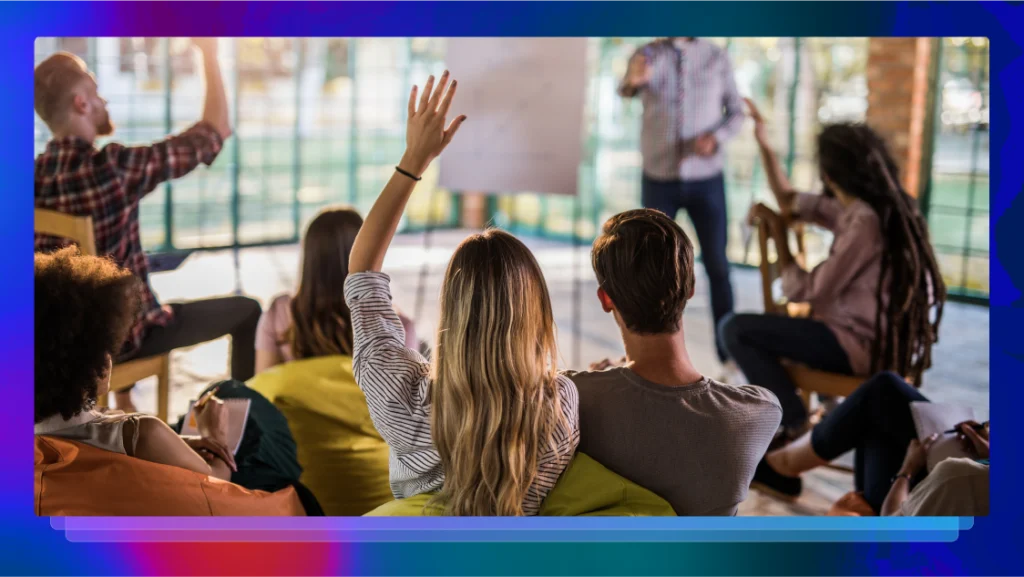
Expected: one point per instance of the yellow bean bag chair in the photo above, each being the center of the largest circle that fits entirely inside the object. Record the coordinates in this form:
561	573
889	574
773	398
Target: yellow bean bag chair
344	460
73	479
586	488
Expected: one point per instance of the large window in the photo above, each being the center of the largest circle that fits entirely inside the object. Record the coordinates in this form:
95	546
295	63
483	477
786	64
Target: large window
958	196
317	121
320	121
799	84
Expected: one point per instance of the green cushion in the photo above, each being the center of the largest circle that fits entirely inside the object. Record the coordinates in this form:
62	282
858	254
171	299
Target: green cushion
586	488
344	459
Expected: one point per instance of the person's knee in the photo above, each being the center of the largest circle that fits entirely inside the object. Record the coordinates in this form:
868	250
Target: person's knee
729	330
252	308
883	384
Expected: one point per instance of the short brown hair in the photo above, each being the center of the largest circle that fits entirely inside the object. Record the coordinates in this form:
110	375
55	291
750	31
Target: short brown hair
55	80
84	308
644	261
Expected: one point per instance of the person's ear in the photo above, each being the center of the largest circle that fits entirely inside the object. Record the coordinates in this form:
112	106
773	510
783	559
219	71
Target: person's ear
110	367
606	301
79	103
693	291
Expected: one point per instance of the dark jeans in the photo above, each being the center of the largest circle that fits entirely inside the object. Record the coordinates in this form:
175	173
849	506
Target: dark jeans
205	320
704	201
267	457
759	342
875	421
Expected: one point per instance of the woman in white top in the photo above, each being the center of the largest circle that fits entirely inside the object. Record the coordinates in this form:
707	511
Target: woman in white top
490	424
84	309
876	423
316	321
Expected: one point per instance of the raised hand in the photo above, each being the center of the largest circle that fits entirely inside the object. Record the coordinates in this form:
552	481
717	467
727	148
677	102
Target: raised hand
427	134
762	212
206	45
760	126
639	72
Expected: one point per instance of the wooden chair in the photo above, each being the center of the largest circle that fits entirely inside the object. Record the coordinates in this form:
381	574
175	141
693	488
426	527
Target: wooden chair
79	229
807	380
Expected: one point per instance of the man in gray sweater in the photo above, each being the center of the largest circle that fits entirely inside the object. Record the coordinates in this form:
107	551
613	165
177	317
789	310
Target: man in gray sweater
656	420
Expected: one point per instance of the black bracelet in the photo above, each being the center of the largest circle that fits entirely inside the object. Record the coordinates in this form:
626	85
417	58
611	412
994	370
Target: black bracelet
906	476
409	174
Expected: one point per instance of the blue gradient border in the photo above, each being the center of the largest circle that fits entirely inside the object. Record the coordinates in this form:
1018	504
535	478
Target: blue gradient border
31	546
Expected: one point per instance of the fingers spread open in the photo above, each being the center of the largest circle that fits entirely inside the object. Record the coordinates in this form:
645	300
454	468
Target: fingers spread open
412	101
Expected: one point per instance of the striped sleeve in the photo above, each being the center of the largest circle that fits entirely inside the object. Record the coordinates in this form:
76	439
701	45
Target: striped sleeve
554	460
395	380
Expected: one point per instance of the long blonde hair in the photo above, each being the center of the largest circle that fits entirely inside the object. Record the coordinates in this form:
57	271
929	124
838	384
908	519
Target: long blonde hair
494	396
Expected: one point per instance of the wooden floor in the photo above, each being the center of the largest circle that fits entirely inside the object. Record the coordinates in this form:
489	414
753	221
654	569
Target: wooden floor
960	374
821	488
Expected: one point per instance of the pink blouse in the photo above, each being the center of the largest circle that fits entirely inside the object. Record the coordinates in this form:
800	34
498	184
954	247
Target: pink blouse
842	289
275	321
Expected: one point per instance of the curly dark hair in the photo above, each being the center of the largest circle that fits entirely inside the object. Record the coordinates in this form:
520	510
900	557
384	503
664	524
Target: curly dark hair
856	159
85	306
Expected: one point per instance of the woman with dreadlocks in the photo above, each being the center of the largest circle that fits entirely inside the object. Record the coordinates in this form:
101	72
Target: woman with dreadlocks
872	299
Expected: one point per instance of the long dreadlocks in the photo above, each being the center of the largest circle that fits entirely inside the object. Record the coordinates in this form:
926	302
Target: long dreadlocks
858	161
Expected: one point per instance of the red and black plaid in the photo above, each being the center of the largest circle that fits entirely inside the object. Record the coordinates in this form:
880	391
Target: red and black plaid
75	178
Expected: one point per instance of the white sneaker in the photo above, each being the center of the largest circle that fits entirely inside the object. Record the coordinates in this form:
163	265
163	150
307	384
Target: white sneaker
732	375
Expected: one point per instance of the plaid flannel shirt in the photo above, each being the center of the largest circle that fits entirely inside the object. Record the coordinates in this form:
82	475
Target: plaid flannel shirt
73	177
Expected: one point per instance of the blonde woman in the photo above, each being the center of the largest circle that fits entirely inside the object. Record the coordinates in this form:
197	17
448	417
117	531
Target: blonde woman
490	425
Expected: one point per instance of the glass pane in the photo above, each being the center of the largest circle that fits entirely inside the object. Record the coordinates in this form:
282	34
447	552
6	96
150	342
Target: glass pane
960	166
321	121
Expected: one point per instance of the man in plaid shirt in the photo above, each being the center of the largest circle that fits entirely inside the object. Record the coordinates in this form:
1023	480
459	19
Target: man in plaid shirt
691	107
73	177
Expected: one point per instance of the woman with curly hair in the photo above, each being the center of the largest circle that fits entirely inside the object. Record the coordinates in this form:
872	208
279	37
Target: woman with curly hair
84	308
876	300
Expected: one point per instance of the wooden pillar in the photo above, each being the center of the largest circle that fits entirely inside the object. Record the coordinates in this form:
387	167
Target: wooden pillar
474	210
900	74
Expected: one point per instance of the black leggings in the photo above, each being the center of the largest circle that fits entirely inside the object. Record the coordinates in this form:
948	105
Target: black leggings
759	342
875	421
205	320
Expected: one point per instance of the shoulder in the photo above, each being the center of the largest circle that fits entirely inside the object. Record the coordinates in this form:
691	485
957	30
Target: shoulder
110	152
567	388
281	304
955	487
861	215
585	380
958	468
278	315
569	398
148	424
149	430
753	396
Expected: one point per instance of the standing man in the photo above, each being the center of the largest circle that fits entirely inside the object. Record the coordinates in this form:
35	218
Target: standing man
691	108
74	177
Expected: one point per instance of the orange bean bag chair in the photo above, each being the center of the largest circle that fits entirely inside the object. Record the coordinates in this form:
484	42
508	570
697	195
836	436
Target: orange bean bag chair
77	480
